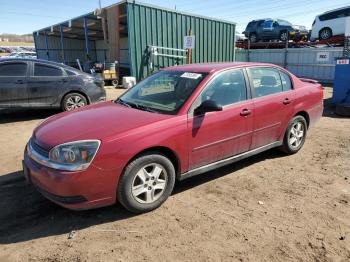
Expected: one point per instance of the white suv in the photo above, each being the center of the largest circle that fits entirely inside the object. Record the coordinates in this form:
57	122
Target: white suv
330	23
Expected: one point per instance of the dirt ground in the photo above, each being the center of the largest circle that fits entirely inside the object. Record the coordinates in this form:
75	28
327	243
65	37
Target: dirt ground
270	207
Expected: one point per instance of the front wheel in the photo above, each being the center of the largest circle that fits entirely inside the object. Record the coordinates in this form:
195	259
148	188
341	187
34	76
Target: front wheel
284	36
146	183
295	135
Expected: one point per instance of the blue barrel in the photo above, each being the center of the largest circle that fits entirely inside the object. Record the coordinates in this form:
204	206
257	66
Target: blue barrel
341	89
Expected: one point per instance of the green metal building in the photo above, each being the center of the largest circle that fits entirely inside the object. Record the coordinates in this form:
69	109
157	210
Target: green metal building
141	37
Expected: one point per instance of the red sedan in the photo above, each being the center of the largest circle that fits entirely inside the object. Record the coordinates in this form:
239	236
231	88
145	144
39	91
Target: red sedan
177	123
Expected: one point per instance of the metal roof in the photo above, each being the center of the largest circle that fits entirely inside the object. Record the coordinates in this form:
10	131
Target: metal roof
91	15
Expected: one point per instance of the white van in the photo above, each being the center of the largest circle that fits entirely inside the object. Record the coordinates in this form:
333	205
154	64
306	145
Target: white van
330	23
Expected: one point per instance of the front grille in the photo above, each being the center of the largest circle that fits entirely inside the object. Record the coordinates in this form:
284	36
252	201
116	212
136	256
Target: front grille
39	149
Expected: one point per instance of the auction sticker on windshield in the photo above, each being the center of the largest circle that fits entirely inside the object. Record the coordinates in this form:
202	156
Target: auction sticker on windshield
191	75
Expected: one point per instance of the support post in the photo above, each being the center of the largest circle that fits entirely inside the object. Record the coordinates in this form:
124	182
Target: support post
189	50
286	52
62	45
47	46
86	33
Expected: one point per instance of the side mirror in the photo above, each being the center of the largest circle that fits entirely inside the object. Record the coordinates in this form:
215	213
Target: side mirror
207	106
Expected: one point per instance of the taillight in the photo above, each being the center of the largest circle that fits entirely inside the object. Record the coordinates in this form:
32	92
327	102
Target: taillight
313	23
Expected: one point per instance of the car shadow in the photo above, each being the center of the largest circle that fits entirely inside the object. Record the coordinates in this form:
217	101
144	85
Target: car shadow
19	115
329	109
27	215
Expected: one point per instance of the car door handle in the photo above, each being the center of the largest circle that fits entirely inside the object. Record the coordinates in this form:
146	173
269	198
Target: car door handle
287	101
245	112
19	82
64	80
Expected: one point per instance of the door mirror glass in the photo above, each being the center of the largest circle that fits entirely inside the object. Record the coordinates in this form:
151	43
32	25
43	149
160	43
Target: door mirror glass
207	106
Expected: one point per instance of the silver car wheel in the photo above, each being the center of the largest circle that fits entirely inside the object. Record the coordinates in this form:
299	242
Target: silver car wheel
284	36
296	135
149	183
325	34
74	102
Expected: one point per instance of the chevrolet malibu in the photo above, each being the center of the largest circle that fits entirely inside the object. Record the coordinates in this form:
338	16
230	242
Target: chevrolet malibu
177	123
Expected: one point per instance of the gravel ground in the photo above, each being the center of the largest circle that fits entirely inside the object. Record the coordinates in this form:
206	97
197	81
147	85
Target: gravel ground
270	207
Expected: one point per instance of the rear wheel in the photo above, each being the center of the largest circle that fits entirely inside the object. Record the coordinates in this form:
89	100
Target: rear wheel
253	38
73	101
325	33
295	135
146	183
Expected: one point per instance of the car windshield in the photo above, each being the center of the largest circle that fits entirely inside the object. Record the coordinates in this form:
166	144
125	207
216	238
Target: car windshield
163	92
283	22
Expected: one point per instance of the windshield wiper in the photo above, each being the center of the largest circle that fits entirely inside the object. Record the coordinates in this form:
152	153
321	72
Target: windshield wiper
146	108
134	105
122	102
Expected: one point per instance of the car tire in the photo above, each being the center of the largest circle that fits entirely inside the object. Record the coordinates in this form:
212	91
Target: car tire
342	109
295	135
115	83
146	183
284	36
253	38
73	101
325	33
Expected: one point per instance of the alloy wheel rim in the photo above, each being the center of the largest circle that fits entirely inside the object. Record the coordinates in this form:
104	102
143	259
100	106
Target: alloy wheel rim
74	102
296	135
284	36
325	34
149	183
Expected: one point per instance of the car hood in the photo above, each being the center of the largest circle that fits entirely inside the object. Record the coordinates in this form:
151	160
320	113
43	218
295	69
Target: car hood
102	121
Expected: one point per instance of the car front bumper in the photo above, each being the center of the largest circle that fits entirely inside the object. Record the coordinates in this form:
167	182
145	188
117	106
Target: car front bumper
78	190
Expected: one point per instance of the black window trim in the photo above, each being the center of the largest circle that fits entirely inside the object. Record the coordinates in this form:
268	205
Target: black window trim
64	74
16	62
252	89
214	76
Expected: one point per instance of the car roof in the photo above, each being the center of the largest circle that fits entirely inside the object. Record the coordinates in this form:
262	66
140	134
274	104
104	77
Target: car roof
32	60
214	67
337	9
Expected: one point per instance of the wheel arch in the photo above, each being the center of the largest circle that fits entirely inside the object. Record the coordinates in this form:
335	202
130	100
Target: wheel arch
166	151
305	115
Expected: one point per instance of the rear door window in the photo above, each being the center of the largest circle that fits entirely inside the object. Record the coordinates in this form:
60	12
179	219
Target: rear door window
13	69
286	82
44	70
265	81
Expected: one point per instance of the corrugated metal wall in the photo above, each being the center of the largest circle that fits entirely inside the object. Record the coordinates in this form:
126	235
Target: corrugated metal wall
74	48
214	40
302	61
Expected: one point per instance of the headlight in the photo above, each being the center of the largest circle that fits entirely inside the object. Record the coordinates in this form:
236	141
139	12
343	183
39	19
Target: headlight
74	156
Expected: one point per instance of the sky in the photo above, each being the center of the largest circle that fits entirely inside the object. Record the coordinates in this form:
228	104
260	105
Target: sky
24	16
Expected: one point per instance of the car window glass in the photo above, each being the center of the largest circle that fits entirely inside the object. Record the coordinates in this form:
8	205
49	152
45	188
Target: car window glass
13	69
163	92
70	73
268	25
286	83
43	70
227	88
266	81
